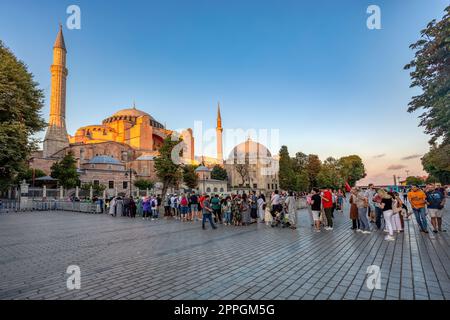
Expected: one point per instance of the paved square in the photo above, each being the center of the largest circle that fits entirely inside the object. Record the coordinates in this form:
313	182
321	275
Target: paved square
122	258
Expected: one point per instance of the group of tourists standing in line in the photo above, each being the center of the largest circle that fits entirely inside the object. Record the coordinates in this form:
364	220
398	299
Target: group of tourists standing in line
387	210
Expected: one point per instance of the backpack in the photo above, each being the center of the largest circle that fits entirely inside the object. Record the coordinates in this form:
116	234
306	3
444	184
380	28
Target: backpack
184	202
153	203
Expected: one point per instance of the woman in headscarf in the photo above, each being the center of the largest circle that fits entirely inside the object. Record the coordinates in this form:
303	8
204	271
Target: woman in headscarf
119	206
245	210
112	207
261	207
291	208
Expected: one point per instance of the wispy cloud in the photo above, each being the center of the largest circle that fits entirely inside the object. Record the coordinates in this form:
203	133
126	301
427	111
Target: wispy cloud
379	156
413	156
396	167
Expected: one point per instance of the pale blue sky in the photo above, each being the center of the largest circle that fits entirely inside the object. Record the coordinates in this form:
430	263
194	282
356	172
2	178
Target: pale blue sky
311	69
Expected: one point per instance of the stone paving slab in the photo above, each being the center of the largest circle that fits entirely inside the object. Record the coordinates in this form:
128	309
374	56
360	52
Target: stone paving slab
122	258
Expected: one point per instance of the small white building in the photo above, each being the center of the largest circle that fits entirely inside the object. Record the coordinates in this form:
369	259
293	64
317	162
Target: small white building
208	185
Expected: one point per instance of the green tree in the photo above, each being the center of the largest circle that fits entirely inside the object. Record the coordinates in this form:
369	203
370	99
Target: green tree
144	184
97	189
66	172
352	169
168	171
27	175
301	181
313	166
21	102
437	163
219	173
286	175
190	177
411	181
330	174
430	72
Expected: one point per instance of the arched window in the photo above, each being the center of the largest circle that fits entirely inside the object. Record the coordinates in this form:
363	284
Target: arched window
221	189
208	189
215	189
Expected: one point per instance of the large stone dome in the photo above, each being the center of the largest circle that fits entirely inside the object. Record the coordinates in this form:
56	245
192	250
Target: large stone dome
132	112
249	150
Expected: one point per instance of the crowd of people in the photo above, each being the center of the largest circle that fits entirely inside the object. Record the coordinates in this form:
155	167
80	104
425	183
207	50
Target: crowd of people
386	210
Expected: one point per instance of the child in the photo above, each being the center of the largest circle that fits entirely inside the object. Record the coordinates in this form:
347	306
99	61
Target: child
267	216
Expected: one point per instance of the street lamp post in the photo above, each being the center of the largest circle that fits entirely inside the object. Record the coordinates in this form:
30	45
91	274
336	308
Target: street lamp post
129	173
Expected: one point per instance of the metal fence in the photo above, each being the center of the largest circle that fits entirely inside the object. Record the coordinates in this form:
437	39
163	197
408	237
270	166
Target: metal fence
8	205
75	206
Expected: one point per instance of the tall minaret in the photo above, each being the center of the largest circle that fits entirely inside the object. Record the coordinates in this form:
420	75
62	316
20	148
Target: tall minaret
219	131
56	137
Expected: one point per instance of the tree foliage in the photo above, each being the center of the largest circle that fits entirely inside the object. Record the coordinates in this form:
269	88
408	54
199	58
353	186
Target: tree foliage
190	177
430	71
412	181
219	173
21	102
27	175
144	184
66	172
437	163
330	174
351	169
97	189
169	172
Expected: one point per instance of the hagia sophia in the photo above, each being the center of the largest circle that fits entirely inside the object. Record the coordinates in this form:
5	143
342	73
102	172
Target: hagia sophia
130	139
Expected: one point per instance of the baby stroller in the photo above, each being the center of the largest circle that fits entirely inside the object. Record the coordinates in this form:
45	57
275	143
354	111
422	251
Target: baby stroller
280	219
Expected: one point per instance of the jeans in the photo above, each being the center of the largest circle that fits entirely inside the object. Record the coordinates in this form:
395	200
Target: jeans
228	217
154	213
421	218
378	216
363	221
208	216
328	214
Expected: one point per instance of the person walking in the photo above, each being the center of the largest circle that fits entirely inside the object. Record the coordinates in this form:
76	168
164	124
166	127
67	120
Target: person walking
226	209
435	206
261	203
316	207
119	206
207	212
193	200
253	207
215	205
167	206
184	206
291	209
245	210
146	206
354	216
362	203
386	206
132	208
417	199
327	204
112	207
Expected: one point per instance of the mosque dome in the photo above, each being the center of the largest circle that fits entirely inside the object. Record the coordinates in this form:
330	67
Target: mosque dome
132	112
249	150
104	160
130	115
